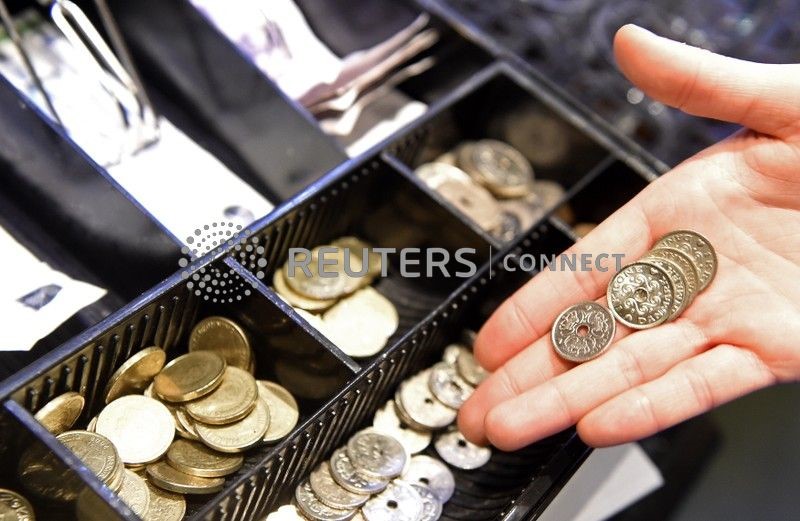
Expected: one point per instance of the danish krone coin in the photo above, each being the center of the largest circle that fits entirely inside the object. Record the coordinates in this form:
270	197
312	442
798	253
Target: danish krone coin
136	373
416	400
510	226
60	414
376	454
350	478
331	493
14	507
361	324
330	283
190	376
165	506
583	331
135	494
431	506
399	502
358	248
139	427
447	386
453	448
97	452
473	201
682	296
469	368
451	353
641	295
184	425
168	478
437	173
297	300
198	460
498	166
433	474
239	436
311	506
224	337
684	263
698	248
283	410
232	400
387	421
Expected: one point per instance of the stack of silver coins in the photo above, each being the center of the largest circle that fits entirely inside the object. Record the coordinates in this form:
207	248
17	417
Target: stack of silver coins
341	305
380	473
644	294
493	184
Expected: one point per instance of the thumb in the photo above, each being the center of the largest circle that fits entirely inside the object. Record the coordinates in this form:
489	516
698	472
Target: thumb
763	97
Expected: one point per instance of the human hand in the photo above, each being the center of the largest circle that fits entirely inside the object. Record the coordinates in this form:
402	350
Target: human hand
739	335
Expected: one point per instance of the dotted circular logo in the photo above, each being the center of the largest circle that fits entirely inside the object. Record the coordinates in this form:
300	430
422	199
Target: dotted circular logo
218	282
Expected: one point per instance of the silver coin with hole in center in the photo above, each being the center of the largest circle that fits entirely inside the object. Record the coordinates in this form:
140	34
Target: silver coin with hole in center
387	421
419	403
311	506
447	385
331	493
469	368
431	506
433	474
348	476
376	454
453	448
399	502
583	331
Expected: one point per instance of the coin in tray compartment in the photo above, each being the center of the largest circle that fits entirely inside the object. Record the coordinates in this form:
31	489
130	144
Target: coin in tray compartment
494	185
330	288
381	473
216	407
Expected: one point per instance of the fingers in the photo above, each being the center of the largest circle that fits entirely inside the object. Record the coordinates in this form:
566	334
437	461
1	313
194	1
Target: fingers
548	407
763	97
690	388
528	314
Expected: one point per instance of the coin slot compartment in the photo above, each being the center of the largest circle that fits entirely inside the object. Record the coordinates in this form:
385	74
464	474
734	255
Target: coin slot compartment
380	205
86	364
481	494
56	472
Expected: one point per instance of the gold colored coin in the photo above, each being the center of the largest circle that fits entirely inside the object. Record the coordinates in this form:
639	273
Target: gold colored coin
141	428
165	506
198	460
296	299
164	476
239	436
135	494
136	373
96	451
224	337
283	410
190	376
231	401
60	414
14	507
185	425
322	281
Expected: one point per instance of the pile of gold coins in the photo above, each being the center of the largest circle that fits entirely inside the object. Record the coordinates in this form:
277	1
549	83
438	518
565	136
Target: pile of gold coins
344	307
209	397
380	474
493	184
651	291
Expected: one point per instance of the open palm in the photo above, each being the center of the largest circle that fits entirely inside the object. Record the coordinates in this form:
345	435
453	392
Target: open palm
741	334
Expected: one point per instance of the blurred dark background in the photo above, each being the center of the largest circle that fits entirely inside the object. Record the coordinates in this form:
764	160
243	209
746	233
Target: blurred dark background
751	468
